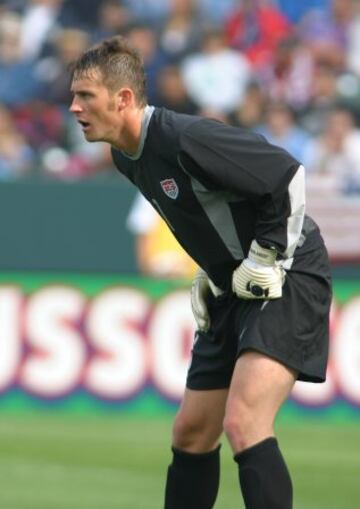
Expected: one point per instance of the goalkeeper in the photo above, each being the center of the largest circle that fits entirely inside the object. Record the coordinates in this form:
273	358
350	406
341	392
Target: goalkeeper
261	299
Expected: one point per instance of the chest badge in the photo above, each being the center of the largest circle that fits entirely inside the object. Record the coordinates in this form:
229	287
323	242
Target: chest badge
170	188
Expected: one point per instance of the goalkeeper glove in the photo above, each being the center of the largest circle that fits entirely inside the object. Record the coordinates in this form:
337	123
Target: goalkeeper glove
200	289
259	276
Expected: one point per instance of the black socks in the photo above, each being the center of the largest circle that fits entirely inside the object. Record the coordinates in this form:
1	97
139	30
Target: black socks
264	478
192	480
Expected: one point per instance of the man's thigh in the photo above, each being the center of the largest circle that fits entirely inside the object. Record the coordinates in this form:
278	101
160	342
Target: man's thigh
259	386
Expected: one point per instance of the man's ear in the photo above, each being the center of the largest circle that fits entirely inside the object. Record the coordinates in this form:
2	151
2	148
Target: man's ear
124	98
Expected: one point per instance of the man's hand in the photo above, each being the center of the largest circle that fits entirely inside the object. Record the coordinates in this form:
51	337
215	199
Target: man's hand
199	293
259	276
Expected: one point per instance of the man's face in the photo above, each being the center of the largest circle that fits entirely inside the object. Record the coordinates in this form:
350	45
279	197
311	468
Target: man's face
94	108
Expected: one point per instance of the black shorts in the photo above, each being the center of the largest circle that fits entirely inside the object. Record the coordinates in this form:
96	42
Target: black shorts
294	329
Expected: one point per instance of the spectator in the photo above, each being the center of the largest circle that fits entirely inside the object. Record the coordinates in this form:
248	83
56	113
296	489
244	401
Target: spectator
18	83
39	23
326	32
348	92
42	124
249	113
294	11
335	154
288	76
353	42
190	68
16	157
214	12
181	33
144	38
280	129
255	28
53	71
150	12
172	91
324	95
216	78
81	14
113	18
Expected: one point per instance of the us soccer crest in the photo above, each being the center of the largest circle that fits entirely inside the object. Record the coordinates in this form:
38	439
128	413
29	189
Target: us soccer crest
170	188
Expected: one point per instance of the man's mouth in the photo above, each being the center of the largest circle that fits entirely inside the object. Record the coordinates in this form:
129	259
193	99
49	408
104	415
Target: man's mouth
84	125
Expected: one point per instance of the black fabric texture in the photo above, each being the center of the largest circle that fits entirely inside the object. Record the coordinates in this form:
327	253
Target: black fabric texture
264	478
192	480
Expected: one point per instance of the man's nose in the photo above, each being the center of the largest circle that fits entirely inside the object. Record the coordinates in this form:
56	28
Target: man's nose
74	107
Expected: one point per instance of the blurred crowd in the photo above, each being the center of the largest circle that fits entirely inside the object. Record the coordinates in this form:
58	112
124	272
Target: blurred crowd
289	70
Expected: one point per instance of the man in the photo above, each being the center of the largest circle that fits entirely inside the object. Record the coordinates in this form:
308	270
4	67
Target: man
261	299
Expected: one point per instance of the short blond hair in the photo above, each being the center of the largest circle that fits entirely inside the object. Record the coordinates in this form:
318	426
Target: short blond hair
119	64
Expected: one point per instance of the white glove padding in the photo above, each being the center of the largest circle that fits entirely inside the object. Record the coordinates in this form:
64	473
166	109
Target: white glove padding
259	276
199	293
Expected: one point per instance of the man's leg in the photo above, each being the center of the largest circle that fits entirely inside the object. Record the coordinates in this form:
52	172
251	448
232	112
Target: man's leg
259	387
193	476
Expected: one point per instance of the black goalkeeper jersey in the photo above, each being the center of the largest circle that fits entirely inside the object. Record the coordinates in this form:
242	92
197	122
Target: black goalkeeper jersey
219	187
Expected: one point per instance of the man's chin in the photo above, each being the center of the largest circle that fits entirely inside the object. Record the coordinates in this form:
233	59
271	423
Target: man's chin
91	137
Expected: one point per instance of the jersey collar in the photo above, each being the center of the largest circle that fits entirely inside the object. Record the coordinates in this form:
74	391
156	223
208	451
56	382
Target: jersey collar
148	111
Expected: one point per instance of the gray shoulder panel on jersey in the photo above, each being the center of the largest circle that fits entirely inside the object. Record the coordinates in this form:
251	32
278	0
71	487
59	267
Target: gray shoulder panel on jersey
215	205
299	225
148	111
295	220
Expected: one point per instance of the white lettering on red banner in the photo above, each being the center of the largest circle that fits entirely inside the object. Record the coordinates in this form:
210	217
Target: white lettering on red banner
58	340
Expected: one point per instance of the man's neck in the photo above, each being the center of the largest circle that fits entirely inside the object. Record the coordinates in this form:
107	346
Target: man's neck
130	133
138	135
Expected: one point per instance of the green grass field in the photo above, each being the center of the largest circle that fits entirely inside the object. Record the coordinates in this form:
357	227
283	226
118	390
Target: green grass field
64	462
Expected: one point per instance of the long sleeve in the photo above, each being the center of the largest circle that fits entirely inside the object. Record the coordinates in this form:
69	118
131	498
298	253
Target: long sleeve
245	164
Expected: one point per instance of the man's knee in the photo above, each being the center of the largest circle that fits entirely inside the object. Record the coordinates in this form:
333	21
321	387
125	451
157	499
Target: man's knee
259	387
186	430
239	425
246	424
194	433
